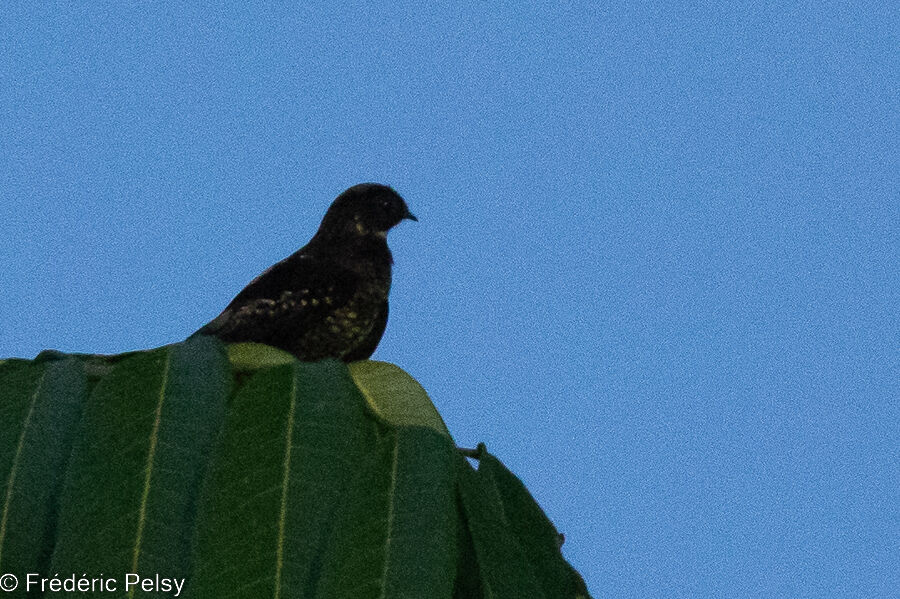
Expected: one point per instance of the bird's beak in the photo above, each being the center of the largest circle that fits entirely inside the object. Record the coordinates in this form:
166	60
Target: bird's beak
410	216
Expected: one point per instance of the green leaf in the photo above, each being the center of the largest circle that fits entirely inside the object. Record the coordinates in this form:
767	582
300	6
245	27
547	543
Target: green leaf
19	390
314	480
247	357
397	533
534	532
130	491
468	576
293	437
504	569
43	401
395	396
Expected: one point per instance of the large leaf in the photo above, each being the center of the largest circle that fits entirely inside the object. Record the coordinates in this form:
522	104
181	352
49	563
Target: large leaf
395	396
502	563
292	438
39	406
249	357
397	536
536	535
129	499
311	497
254	475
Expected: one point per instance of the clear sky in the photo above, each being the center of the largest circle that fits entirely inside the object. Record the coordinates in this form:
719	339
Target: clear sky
656	268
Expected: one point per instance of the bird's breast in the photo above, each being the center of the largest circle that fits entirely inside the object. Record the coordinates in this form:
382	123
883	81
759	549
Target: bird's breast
348	326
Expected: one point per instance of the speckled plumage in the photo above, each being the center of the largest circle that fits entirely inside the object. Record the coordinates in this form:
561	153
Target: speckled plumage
330	298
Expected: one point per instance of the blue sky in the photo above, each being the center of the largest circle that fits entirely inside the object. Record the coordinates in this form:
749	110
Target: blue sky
656	268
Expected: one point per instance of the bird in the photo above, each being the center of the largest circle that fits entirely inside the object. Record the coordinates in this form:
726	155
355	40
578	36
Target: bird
329	299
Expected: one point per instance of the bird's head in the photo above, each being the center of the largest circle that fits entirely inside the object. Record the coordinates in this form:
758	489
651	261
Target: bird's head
367	209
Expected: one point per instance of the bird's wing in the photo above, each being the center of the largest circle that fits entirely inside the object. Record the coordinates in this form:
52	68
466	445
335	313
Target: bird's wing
283	300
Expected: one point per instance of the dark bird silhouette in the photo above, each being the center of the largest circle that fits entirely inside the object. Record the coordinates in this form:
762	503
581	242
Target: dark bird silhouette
330	298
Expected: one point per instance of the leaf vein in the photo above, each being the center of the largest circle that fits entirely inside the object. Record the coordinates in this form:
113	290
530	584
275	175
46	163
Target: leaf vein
148	473
282	516
390	517
11	482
